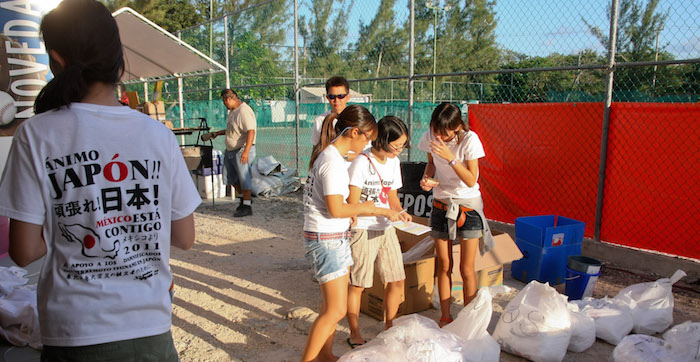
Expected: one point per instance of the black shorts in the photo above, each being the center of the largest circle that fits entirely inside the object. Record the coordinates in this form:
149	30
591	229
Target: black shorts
472	228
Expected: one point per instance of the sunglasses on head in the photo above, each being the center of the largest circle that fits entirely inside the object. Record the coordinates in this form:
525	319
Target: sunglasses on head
334	96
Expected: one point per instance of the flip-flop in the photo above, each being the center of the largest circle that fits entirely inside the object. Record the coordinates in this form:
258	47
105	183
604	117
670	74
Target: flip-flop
353	345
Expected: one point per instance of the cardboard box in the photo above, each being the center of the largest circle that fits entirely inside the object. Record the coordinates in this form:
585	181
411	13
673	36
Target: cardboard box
489	267
418	287
155	109
417	294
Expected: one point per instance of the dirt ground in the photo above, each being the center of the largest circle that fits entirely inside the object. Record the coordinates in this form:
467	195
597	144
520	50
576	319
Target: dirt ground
240	288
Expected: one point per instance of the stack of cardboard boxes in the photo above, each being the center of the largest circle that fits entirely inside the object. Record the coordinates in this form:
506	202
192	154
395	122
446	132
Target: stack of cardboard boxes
155	110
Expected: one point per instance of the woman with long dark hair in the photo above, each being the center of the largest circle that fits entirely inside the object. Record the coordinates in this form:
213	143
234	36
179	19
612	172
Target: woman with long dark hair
327	219
100	191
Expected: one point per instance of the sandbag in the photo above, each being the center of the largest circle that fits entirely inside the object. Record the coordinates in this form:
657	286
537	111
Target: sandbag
471	324
651	303
536	324
412	338
582	330
613	319
640	348
683	342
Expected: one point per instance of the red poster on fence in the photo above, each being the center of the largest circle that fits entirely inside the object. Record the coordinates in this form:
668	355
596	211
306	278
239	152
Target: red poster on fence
651	184
541	158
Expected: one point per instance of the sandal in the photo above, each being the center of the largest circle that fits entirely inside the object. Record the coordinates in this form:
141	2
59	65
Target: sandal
446	321
353	345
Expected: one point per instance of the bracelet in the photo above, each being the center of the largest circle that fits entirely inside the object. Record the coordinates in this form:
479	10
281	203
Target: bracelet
453	162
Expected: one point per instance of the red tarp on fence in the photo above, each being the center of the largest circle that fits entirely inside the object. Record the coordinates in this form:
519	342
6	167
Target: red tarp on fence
651	199
544	159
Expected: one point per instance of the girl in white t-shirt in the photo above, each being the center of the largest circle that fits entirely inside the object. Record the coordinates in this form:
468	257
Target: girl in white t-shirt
375	176
327	220
452	173
101	192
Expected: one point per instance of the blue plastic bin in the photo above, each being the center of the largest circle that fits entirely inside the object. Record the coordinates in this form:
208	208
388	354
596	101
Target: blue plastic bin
546	243
549	230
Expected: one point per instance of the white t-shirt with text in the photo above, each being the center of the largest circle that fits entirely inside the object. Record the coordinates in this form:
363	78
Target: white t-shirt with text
451	186
105	182
364	176
328	176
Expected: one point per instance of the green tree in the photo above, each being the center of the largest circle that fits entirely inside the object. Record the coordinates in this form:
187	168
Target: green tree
382	48
638	27
171	15
550	86
327	28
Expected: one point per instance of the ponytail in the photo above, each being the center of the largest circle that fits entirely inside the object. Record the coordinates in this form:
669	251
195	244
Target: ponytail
328	134
352	116
65	88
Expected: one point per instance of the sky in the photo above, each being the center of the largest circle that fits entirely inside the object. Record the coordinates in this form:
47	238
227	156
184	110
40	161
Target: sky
542	27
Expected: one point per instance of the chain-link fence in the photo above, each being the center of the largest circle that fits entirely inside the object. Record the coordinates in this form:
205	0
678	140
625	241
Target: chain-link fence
544	87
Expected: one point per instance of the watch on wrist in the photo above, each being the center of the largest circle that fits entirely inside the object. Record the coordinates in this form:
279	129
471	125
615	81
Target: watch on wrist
453	162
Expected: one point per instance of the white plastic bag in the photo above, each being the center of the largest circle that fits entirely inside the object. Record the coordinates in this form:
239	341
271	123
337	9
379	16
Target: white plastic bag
474	318
651	303
12	277
582	330
640	348
418	250
412	338
471	324
683	342
613	319
536	324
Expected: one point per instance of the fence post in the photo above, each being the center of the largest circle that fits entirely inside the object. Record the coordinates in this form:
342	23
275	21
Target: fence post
411	70
296	80
606	116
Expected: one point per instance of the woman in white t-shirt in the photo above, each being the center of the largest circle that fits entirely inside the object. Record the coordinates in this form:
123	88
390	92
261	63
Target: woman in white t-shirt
327	220
375	176
102	192
452	173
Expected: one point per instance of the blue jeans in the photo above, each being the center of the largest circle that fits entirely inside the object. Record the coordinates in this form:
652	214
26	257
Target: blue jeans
329	253
238	173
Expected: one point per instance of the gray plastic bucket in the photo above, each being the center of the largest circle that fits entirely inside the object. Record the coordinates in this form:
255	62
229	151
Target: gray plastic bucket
583	264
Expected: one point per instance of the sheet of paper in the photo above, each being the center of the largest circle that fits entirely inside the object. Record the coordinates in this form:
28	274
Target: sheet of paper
412	227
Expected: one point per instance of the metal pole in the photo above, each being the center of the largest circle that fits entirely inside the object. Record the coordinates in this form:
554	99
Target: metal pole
411	70
228	70
182	108
145	91
211	45
606	116
656	59
296	78
434	50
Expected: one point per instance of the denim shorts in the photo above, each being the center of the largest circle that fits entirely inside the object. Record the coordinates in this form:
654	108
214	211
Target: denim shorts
472	228
329	253
153	348
236	172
